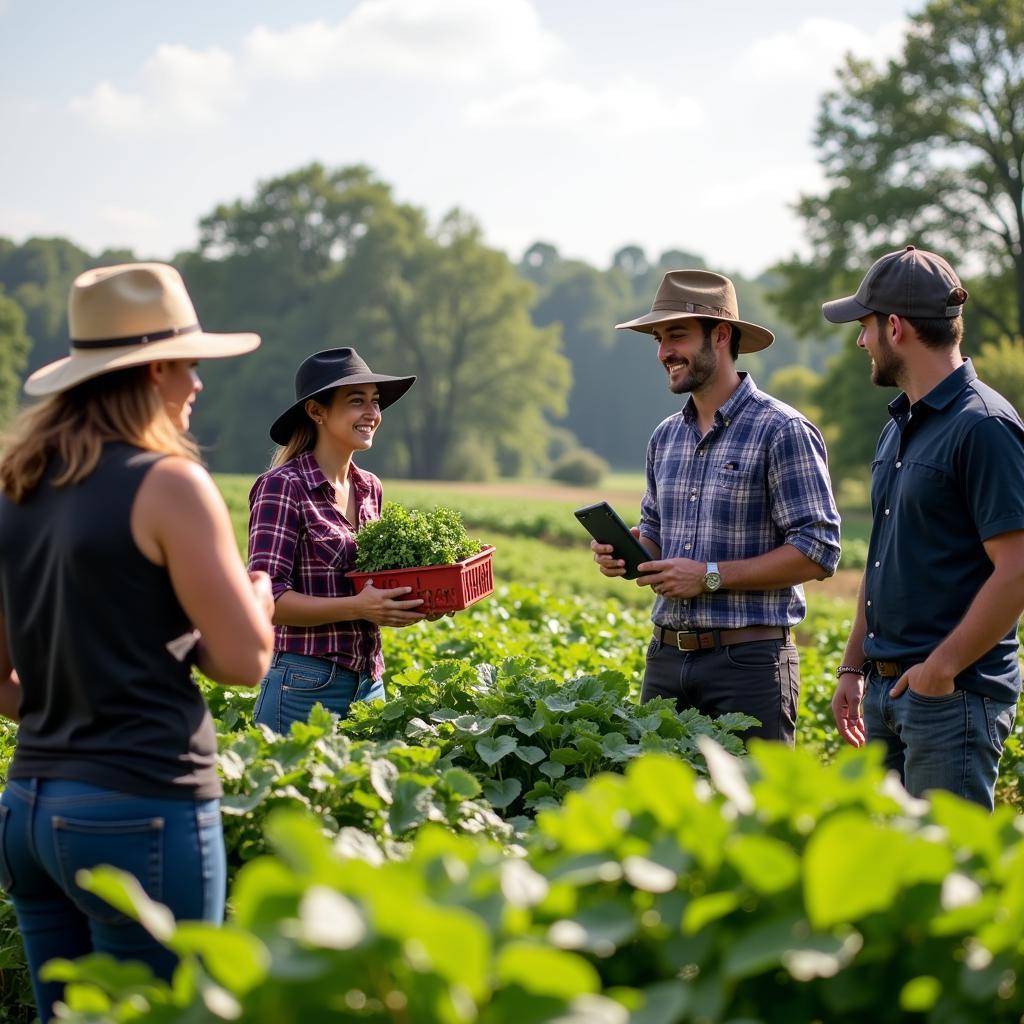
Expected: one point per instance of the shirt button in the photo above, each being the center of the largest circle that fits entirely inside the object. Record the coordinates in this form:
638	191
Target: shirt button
869	604
686	547
701	453
877	564
886	511
898	464
871	636
693	497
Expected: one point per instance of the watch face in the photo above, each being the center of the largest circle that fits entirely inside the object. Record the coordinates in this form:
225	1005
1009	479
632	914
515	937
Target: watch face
712	581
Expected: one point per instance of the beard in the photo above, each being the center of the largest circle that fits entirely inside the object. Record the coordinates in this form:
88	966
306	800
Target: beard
886	366
700	370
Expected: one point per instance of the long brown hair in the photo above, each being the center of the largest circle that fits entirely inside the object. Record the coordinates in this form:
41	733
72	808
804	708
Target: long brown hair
73	426
303	437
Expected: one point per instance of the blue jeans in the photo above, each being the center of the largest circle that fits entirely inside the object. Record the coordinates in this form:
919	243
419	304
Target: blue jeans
295	682
952	742
51	828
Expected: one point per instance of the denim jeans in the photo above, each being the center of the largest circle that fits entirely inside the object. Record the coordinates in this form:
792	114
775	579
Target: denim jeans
952	742
295	682
761	679
51	828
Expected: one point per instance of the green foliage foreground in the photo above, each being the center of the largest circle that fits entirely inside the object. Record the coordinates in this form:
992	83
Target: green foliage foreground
789	891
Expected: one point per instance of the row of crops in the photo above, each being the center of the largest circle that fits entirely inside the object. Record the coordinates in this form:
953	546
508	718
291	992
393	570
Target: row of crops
513	839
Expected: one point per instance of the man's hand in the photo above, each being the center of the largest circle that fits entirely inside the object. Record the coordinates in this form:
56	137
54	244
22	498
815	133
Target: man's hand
677	578
847	708
606	561
924	679
385	607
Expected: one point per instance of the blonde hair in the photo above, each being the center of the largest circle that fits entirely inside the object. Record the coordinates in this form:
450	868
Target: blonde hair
73	426
303	437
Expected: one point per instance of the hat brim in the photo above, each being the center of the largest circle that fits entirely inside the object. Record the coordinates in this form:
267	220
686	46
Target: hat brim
391	390
85	364
752	339
844	311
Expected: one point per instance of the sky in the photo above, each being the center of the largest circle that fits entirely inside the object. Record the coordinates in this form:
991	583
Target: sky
587	124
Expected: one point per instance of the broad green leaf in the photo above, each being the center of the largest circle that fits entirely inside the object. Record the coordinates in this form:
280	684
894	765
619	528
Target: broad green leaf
767	865
501	793
545	971
460	783
123	892
492	749
920	994
234	957
531	755
705	909
851	869
552	769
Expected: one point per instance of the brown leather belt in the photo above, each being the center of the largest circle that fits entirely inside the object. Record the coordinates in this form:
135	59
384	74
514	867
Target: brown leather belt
710	639
887	669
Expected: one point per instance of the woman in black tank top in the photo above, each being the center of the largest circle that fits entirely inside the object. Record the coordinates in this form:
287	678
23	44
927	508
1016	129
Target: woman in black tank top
118	573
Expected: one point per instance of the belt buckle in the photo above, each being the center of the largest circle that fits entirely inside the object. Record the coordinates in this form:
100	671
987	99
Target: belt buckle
686	640
695	640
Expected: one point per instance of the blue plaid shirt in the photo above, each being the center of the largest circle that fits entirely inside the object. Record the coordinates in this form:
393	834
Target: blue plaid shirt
758	479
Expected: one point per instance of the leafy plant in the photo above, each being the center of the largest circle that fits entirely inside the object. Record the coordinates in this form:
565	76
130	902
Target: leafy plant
532	737
406	538
783	891
371	792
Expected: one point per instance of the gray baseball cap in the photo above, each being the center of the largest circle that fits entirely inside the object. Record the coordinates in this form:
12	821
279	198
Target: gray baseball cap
911	282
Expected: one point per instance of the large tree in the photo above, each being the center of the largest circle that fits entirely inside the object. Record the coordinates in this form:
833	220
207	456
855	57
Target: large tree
320	258
928	149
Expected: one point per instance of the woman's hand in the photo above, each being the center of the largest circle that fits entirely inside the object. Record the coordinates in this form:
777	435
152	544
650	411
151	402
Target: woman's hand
385	607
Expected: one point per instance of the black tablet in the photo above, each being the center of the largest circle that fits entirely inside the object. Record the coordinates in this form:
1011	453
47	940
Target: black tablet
604	525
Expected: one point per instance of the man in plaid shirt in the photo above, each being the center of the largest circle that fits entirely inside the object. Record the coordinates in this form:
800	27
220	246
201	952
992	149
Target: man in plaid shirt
738	513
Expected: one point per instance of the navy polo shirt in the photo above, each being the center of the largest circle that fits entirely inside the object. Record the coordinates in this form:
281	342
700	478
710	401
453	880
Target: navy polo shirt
948	474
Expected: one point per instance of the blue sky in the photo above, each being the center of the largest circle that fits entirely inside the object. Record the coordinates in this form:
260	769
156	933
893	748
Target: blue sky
589	125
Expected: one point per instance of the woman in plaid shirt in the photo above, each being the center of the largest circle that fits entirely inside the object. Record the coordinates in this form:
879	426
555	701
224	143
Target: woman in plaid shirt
304	513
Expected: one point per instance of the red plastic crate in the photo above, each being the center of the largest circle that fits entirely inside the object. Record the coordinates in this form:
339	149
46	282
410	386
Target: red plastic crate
444	588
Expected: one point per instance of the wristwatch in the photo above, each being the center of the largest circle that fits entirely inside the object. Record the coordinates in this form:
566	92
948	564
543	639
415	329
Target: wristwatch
712	577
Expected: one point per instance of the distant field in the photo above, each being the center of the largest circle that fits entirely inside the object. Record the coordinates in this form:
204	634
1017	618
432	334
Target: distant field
537	539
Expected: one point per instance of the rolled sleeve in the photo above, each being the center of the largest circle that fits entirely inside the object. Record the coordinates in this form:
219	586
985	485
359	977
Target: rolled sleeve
802	505
274	521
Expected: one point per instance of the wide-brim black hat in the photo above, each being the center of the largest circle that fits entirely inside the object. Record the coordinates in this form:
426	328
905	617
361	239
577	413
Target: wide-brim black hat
334	368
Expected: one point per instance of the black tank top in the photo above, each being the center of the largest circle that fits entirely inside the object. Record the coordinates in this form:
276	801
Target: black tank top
105	699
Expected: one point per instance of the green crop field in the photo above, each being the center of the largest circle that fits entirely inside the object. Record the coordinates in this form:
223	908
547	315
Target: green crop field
513	839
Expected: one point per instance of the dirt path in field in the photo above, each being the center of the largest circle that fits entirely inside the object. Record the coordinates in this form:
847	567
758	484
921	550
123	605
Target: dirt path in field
541	491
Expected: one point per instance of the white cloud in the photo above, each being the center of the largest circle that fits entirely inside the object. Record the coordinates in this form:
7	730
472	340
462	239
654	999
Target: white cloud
110	109
626	108
180	87
811	53
460	40
195	87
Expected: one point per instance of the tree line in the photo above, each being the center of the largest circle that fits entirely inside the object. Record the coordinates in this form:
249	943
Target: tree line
518	362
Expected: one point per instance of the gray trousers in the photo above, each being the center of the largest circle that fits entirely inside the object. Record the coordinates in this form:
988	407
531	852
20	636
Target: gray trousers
761	679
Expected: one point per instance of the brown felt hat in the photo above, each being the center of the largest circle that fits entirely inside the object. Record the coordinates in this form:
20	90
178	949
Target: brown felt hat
126	315
699	293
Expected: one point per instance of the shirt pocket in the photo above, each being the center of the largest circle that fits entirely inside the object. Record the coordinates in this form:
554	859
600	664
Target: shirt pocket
331	547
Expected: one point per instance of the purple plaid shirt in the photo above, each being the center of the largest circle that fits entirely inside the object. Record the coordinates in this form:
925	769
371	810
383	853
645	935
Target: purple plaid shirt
298	536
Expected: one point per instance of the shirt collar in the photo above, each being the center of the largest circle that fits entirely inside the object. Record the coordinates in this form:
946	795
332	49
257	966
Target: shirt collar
313	476
941	395
731	406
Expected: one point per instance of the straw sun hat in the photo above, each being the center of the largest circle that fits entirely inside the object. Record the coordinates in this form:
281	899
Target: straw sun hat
128	315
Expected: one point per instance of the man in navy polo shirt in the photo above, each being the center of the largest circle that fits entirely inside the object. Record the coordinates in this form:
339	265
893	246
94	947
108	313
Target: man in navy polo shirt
930	668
